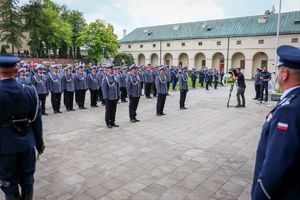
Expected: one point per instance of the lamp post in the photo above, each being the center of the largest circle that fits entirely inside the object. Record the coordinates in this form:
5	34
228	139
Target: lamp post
274	86
103	51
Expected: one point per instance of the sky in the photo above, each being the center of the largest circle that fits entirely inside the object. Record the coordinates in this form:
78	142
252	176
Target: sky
131	14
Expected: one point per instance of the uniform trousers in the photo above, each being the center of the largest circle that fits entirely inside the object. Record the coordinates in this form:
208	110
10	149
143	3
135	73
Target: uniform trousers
17	169
42	99
123	93
80	94
194	83
161	99
94	97
264	87
55	101
148	89
133	104
110	111
257	91
100	96
154	90
68	100
182	98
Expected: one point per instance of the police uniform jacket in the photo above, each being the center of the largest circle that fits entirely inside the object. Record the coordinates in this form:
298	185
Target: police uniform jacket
54	82
133	85
161	84
123	78
277	174
257	80
149	78
183	81
194	75
10	139
40	82
93	82
69	82
168	75
24	80
141	74
100	78
80	81
110	88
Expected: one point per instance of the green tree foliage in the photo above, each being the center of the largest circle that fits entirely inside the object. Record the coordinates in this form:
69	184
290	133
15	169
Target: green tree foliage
11	24
3	49
123	58
99	39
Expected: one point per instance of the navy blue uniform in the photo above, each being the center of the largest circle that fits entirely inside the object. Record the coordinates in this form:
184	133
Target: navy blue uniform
277	174
162	91
55	87
194	78
17	154
40	82
216	79
201	77
133	86
183	85
69	89
93	85
265	77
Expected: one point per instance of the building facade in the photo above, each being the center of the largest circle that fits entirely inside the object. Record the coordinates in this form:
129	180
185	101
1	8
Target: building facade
246	42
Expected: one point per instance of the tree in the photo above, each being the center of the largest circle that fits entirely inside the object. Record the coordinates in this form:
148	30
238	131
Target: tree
3	49
123	58
11	25
99	39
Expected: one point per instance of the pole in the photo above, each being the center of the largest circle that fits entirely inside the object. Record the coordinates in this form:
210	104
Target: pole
277	44
227	60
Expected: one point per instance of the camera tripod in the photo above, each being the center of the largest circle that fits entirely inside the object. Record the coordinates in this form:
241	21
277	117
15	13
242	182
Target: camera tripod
230	93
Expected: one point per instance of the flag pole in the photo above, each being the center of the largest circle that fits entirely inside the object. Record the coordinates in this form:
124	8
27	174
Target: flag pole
277	44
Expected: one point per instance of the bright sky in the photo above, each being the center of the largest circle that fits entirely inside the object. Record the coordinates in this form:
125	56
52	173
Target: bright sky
131	14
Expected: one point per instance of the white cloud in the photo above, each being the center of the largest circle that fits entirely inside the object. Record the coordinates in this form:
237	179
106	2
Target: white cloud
145	12
290	5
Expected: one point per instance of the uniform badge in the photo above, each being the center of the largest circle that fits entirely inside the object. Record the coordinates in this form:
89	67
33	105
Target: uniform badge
282	126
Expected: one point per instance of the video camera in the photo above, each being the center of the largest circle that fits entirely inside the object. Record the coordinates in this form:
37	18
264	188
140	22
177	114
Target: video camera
232	72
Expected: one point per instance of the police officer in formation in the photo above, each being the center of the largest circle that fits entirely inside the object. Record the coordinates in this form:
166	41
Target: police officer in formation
257	83
265	78
69	87
141	75
194	77
183	86
111	95
23	78
133	86
55	87
277	174
39	81
21	132
149	80
123	78
202	77
80	86
174	77
93	85
162	91
100	78
216	78
169	76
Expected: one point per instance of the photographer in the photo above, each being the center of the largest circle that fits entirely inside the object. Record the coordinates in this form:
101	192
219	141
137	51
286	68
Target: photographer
241	87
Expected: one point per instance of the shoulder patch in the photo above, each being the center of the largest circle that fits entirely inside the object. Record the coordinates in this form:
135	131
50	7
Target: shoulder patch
282	126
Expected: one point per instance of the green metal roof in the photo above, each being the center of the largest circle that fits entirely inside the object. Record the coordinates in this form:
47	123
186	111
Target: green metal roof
233	27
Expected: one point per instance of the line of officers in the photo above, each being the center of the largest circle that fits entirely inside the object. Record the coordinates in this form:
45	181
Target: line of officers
107	84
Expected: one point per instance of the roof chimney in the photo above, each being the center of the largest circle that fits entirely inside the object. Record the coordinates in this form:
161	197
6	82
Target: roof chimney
124	32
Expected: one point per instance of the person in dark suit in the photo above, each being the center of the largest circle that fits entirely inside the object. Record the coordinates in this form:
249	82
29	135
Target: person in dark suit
277	174
21	132
162	91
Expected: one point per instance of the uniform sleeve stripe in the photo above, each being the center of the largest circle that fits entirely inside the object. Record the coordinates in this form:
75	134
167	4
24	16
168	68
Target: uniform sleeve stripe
263	189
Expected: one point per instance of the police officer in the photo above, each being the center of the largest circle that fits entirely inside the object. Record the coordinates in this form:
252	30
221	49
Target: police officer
174	77
123	78
148	81
277	174
93	85
40	82
69	87
133	86
169	76
206	77
216	78
202	77
194	77
80	86
155	74
183	85
241	87
257	83
55	86
265	78
100	78
111	95
141	75
162	91
23	78
21	131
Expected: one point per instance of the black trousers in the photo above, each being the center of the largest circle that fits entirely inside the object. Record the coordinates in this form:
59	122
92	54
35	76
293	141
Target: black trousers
182	98
257	91
148	89
68	100
240	93
161	99
168	85
42	98
174	84
100	96
110	111
264	87
80	94
94	97
123	93
55	101
133	104
194	83
154	89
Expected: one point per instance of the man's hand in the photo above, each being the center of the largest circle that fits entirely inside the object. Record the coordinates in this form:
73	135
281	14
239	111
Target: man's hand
41	149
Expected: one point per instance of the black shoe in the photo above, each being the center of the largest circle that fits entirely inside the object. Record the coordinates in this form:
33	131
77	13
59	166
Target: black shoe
83	108
93	106
68	110
136	120
238	106
132	121
109	125
115	125
255	98
163	113
243	106
159	114
44	113
59	111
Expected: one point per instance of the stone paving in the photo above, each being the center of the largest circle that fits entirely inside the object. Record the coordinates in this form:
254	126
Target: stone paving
205	152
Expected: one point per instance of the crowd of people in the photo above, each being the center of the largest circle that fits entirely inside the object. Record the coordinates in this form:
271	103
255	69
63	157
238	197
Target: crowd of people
109	85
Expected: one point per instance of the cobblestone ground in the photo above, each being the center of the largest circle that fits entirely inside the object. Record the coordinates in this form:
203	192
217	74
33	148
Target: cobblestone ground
204	152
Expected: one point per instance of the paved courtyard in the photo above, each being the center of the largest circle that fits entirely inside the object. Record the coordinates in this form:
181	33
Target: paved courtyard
205	152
